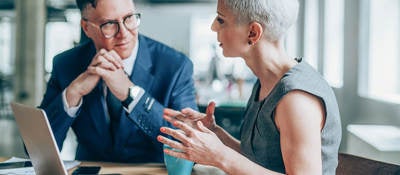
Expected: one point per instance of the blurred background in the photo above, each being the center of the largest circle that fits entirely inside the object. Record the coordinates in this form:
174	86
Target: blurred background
354	44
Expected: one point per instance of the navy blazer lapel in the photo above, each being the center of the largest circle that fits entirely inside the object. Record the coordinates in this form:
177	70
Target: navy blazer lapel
141	73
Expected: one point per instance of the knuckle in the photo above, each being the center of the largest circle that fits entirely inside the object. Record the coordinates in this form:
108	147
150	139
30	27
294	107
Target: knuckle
190	132
187	143
176	134
100	57
190	142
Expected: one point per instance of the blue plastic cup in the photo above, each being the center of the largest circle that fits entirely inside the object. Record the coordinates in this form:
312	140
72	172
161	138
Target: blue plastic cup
177	166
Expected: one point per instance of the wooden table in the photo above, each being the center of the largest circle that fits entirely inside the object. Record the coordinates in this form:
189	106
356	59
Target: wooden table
145	169
131	169
108	168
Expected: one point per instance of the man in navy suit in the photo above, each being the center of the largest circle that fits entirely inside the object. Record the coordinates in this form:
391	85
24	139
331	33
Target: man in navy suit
112	90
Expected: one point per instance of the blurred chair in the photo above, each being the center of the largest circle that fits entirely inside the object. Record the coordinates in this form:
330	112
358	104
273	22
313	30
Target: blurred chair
354	165
228	117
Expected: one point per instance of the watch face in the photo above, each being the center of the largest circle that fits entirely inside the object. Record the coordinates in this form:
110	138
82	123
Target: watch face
131	91
134	91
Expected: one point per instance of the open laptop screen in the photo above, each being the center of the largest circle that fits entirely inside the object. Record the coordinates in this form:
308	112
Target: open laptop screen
39	140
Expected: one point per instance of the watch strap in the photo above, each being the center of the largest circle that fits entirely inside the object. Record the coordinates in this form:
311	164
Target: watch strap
130	98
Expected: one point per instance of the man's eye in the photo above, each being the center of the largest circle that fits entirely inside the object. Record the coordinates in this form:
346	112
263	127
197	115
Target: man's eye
108	24
130	17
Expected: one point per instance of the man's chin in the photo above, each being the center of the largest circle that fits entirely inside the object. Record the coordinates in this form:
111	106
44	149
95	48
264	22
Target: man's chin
124	54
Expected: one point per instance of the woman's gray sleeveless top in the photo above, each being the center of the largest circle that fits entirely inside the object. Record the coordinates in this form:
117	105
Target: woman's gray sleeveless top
260	140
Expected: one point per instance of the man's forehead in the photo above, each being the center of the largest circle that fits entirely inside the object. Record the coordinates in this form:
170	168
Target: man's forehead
110	9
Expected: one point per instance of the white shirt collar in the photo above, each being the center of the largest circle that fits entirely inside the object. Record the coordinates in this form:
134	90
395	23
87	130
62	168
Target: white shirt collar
129	63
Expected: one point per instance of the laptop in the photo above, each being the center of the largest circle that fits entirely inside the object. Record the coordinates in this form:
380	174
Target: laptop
38	139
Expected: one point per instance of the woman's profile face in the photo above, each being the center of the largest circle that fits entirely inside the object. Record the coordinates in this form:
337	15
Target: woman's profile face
231	36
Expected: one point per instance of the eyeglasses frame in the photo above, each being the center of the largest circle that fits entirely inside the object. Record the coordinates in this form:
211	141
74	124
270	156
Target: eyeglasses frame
118	22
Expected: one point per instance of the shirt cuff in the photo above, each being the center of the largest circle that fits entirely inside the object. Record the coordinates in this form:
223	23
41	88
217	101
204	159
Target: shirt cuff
135	100
71	111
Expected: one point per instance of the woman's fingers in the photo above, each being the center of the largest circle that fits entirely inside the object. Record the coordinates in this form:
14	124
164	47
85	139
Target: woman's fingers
202	128
183	118
177	135
210	109
177	154
192	114
171	112
189	131
171	143
169	118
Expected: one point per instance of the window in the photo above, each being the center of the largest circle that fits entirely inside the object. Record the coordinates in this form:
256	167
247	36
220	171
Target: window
384	52
323	38
333	42
311	32
56	43
291	41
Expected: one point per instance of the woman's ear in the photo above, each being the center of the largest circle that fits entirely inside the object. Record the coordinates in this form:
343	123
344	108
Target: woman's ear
255	33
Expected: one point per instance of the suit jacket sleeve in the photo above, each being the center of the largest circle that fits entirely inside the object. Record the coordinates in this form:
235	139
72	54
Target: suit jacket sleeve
52	103
147	114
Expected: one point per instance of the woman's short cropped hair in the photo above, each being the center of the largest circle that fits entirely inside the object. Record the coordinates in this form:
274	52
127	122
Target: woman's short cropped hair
276	16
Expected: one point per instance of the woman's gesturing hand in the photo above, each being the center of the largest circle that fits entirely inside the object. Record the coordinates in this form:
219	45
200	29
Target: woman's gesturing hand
196	143
190	116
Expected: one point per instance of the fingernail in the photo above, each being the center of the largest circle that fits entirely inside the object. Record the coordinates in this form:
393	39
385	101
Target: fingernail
162	129
159	138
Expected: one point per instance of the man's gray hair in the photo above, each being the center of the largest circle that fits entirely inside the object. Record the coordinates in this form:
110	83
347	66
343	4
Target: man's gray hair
276	16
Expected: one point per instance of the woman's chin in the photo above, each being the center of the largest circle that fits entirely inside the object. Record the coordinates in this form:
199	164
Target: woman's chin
227	54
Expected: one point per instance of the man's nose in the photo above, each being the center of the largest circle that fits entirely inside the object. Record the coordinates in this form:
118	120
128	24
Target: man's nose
123	31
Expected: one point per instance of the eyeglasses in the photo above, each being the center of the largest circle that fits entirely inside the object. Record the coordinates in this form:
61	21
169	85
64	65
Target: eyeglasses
110	28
